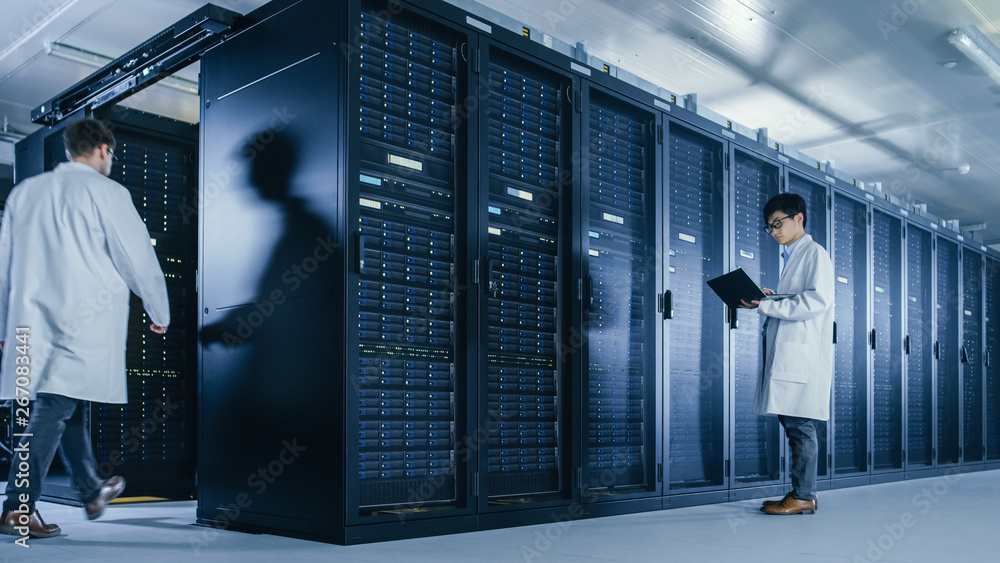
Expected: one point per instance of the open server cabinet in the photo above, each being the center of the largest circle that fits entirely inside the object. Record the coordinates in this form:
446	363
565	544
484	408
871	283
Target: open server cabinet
453	280
150	440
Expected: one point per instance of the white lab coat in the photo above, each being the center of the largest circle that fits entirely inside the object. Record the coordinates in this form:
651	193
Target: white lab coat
71	247
798	352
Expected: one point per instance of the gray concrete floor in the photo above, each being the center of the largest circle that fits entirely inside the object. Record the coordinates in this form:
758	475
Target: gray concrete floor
950	519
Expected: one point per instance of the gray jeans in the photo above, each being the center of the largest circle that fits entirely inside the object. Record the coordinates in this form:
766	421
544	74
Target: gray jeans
61	423
804	447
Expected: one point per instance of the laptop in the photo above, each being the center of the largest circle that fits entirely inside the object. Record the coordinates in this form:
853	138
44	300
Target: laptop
737	285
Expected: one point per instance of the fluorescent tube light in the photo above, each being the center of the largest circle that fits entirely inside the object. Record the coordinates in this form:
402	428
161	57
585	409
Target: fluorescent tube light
979	48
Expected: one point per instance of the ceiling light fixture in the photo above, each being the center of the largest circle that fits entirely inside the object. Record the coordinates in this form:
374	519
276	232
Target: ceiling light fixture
89	58
979	48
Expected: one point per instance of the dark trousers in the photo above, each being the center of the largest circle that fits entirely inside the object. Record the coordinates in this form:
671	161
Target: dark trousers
57	423
804	447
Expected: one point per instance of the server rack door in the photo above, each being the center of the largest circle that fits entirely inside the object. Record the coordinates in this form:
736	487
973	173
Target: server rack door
412	336
756	439
619	295
850	378
992	354
919	348
525	172
887	342
970	356
817	209
947	353
697	336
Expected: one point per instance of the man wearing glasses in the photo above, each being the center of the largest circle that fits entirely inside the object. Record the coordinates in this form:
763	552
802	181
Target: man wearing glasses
71	247
798	348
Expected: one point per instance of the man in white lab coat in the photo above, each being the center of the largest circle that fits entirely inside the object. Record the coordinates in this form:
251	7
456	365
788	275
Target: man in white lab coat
798	348
71	247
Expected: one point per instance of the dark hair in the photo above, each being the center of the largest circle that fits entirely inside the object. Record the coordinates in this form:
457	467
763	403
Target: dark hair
787	203
82	137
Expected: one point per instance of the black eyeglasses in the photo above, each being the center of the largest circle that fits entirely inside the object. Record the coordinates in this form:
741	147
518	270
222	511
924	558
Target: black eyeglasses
112	153
776	224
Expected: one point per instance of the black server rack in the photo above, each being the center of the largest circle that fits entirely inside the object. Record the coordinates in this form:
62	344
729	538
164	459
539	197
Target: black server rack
757	439
815	193
992	357
971	356
409	360
887	341
619	297
919	348
276	276
150	440
153	434
697	335
525	165
850	376
947	352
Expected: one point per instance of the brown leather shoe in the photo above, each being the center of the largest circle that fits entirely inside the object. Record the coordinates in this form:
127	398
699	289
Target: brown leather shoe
788	496
791	505
10	521
109	492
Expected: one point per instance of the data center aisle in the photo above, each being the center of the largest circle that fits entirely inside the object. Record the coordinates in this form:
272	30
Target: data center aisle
939	519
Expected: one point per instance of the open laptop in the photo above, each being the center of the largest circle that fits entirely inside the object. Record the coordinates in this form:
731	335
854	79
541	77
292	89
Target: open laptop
737	285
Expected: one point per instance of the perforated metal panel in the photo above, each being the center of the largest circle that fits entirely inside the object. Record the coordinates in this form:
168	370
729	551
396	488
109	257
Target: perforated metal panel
947	352
524	263
620	405
697	337
757	441
887	366
920	346
850	381
992	301
971	356
407	227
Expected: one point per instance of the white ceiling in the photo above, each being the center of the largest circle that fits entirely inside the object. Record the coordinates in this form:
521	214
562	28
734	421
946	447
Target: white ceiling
858	82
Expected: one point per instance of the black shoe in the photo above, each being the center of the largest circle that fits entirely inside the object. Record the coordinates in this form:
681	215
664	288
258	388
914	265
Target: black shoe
109	492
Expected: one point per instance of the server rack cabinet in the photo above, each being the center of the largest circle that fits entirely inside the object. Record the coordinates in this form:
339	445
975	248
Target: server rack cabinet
149	440
621	319
409	446
971	356
525	251
697	335
992	357
919	348
756	440
947	347
851	352
815	190
887	341
273	365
